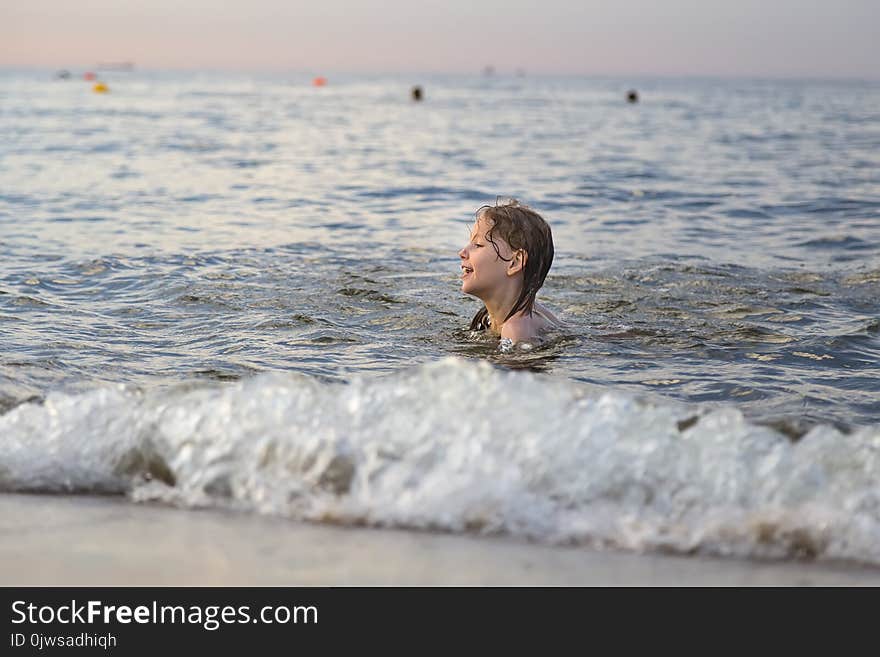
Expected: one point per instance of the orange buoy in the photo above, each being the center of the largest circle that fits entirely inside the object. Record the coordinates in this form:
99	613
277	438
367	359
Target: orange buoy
88	76
100	88
319	82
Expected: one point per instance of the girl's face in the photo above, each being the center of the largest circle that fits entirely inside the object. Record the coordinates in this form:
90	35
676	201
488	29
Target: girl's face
482	271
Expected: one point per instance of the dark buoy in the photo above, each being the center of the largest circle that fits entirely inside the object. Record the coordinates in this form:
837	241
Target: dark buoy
632	96
63	75
416	93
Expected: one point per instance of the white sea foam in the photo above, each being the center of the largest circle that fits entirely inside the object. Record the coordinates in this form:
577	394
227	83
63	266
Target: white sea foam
461	446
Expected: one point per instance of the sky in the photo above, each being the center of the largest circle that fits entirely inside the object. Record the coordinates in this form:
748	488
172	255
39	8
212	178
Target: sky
752	38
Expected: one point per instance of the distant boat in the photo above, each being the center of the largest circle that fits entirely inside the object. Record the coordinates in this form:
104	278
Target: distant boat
115	66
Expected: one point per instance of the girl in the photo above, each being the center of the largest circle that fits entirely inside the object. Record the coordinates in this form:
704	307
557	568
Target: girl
504	265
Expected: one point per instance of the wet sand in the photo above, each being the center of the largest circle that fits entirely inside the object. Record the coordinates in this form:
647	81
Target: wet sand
108	541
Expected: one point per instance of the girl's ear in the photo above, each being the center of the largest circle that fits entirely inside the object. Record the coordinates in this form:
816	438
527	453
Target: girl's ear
518	261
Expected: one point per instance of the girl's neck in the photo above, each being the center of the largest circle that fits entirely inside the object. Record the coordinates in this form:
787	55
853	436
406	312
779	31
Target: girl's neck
499	305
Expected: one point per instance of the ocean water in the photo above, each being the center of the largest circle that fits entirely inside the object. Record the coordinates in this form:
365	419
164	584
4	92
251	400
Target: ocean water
242	291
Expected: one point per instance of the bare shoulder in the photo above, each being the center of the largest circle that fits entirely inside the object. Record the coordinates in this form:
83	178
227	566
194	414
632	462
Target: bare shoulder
528	328
518	329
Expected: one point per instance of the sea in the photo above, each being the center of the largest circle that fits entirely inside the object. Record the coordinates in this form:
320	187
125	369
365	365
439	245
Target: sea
241	291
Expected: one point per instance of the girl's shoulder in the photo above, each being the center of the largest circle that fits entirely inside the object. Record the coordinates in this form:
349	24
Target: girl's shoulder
522	327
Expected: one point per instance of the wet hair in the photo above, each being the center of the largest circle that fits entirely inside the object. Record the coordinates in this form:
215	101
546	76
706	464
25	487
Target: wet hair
522	228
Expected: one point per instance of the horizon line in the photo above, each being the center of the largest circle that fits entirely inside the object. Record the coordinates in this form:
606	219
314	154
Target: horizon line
516	72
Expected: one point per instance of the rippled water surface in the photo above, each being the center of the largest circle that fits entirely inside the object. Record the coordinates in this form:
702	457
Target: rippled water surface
719	241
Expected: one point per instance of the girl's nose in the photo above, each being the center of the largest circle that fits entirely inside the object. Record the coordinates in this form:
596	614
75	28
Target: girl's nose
462	253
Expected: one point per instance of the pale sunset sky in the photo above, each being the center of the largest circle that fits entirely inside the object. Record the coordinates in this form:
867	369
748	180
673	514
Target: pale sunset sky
760	38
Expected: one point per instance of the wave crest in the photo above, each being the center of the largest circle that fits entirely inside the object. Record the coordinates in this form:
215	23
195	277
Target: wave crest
458	446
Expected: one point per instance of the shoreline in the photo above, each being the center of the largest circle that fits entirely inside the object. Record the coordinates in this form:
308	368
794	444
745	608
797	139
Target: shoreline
49	540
